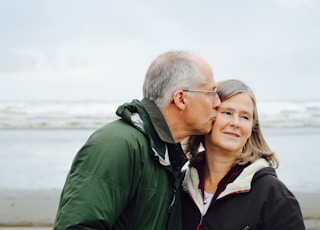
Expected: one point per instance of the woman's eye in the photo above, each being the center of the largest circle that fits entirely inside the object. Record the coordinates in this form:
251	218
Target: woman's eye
226	113
245	117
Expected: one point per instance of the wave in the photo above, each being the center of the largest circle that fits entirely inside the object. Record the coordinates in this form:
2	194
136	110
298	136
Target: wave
56	114
92	114
289	114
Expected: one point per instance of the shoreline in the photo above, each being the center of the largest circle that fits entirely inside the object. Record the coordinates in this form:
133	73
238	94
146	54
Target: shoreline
28	208
37	208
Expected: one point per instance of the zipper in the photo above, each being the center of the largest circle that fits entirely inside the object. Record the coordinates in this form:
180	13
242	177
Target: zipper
199	224
172	201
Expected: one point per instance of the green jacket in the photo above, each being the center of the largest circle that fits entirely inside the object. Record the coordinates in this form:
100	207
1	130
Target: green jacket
126	176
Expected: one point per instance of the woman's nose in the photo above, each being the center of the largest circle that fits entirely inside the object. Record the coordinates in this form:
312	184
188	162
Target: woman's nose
235	121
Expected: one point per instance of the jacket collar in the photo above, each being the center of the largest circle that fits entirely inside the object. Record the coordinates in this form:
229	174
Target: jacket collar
158	121
241	184
173	150
147	117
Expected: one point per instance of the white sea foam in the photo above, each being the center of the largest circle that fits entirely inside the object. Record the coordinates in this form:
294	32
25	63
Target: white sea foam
289	114
93	114
56	114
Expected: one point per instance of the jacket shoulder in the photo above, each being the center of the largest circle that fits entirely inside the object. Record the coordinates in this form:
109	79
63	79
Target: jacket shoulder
268	179
117	128
281	208
117	142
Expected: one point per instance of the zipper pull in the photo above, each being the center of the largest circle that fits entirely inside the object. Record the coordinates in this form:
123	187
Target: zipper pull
199	224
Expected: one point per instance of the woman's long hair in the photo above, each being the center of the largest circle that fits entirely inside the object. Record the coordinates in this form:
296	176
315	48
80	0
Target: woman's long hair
256	147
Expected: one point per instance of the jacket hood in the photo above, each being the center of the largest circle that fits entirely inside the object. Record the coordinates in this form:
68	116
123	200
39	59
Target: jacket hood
135	113
241	184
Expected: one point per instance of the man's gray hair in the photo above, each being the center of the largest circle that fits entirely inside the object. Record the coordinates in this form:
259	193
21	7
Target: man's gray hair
169	72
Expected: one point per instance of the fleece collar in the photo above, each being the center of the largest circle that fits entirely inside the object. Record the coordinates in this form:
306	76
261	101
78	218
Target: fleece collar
241	184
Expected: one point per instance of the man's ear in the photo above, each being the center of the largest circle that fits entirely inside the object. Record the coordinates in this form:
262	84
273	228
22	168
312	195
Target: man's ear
180	99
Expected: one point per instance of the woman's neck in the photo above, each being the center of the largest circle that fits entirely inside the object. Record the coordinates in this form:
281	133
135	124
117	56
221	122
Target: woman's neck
216	167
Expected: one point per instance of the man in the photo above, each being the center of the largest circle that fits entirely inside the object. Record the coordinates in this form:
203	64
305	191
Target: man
127	175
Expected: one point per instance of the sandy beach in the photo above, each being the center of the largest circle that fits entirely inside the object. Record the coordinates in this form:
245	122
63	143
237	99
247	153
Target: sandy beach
28	209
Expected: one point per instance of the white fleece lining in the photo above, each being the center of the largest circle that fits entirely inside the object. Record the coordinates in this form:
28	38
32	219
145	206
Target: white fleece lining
191	182
243	181
137	121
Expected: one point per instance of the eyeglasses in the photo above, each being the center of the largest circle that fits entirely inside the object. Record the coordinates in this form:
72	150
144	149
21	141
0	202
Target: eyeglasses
213	92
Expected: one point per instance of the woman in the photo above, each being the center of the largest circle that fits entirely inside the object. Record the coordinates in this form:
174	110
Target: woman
233	183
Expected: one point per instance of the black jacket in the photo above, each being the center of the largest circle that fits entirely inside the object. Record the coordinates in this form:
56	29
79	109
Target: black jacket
262	202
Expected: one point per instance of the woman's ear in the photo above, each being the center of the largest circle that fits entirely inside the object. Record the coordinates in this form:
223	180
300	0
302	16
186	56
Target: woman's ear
180	99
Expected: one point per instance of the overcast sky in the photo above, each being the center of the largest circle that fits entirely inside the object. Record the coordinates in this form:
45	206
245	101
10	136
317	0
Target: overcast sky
100	49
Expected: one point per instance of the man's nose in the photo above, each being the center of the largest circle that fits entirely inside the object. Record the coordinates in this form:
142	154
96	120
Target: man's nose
216	103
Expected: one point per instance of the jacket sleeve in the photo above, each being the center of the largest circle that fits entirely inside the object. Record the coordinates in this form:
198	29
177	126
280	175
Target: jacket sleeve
101	182
283	211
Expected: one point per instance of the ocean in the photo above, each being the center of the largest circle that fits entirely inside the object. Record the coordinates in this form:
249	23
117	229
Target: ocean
38	140
93	114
